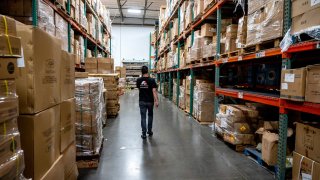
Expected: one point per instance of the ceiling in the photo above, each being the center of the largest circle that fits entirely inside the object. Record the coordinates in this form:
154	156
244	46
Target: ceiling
148	15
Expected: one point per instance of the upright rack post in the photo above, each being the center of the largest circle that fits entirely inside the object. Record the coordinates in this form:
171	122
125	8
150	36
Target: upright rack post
150	51
178	72
96	50
35	13
170	86
191	90
69	28
161	83
178	87
85	47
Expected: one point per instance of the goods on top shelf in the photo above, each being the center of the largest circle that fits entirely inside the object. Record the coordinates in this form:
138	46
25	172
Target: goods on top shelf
99	65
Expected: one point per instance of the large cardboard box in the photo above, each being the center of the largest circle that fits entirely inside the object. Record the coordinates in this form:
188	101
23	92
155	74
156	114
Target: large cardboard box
208	30
38	83
313	84
67	123
67	75
40	140
293	84
307	141
69	160
105	65
8	68
56	172
270	148
305	168
15	46
305	21
91	65
7	26
302	6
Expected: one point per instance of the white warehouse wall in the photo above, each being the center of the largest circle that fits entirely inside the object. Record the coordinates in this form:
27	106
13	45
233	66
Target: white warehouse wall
130	42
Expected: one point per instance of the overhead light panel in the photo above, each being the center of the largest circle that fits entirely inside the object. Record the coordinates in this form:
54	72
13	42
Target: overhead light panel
134	11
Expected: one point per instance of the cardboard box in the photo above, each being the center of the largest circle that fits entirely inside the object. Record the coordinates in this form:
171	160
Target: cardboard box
293	84
91	65
9	146
305	21
67	75
8	109
13	167
302	6
38	83
8	68
270	148
304	168
271	125
105	65
9	27
56	171
208	30
73	175
69	160
40	140
8	128
15	44
313	84
67	123
81	74
307	141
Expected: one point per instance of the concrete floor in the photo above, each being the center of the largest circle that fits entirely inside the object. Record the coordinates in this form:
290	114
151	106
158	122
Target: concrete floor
179	149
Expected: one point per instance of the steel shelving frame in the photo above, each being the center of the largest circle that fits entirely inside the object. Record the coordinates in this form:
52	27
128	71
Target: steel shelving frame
267	99
76	27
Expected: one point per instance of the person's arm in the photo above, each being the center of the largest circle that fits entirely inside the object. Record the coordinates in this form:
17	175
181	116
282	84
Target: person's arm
155	96
138	84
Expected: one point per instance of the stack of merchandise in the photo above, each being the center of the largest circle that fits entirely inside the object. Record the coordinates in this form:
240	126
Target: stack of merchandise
11	156
92	25
162	16
111	85
265	20
203	103
197	8
242	32
46	120
224	24
165	89
182	102
234	123
188	14
61	29
82	15
174	91
122	85
79	49
121	71
198	44
90	115
187	93
209	46
99	65
231	35
183	10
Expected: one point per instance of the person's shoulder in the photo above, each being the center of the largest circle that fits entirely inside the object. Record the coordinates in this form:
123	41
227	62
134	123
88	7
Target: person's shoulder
139	79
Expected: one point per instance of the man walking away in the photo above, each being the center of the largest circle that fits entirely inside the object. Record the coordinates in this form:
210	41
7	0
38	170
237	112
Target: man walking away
147	98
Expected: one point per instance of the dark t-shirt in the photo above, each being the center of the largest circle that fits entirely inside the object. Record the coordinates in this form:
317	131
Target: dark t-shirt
145	86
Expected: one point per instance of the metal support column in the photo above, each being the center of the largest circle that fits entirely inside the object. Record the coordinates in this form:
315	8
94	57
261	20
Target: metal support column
170	86
110	45
191	90
85	47
178	87
35	13
96	51
69	28
160	83
282	146
150	51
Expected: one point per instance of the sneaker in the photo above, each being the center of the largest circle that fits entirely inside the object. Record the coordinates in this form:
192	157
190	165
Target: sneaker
143	136
150	133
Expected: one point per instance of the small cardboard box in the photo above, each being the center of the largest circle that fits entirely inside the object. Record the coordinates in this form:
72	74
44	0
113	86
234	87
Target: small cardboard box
38	83
313	84
208	30
304	168
40	140
13	49
56	171
67	123
91	65
293	84
81	74
302	6
67	75
8	68
105	65
307	141
9	27
270	148
305	20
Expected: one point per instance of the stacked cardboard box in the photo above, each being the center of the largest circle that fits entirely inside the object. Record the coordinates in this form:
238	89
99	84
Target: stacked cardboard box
231	35
209	47
242	32
306	161
10	146
203	105
265	21
90	115
99	65
197	8
46	90
61	26
305	15
113	93
199	42
165	89
174	91
121	71
183	10
235	123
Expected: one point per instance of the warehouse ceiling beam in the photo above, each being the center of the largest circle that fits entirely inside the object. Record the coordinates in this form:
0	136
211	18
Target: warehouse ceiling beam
128	17
145	10
120	9
155	10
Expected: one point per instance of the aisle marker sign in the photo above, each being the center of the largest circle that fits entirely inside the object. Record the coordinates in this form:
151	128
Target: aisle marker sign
318	46
240	95
260	54
224	60
240	58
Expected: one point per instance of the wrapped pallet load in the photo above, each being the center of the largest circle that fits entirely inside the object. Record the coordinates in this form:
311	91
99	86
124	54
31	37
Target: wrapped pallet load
203	103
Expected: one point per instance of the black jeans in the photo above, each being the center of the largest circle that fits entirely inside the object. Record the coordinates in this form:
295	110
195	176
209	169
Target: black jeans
144	107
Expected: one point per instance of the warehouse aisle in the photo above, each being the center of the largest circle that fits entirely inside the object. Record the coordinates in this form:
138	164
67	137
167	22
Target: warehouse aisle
180	149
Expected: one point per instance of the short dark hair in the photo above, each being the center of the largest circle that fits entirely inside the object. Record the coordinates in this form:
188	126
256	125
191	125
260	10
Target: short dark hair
144	70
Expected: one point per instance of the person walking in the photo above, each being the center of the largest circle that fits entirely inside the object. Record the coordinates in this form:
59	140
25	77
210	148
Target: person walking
148	97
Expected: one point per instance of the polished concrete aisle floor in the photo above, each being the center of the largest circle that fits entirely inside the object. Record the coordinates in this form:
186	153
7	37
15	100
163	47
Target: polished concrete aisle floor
179	149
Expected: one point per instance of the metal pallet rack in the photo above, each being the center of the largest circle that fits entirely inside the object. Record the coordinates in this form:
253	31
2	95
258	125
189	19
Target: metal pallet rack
89	41
267	99
133	71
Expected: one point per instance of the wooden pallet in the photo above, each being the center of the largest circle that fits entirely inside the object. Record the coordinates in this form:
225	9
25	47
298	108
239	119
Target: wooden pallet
274	43
232	53
195	62
207	59
89	161
209	6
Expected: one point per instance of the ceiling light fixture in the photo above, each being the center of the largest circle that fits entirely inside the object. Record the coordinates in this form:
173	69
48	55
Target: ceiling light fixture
134	11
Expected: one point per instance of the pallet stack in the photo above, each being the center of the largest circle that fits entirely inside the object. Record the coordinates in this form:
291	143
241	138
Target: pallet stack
90	115
46	112
11	151
113	94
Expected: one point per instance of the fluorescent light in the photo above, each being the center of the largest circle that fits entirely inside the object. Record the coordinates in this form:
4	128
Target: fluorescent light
135	11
